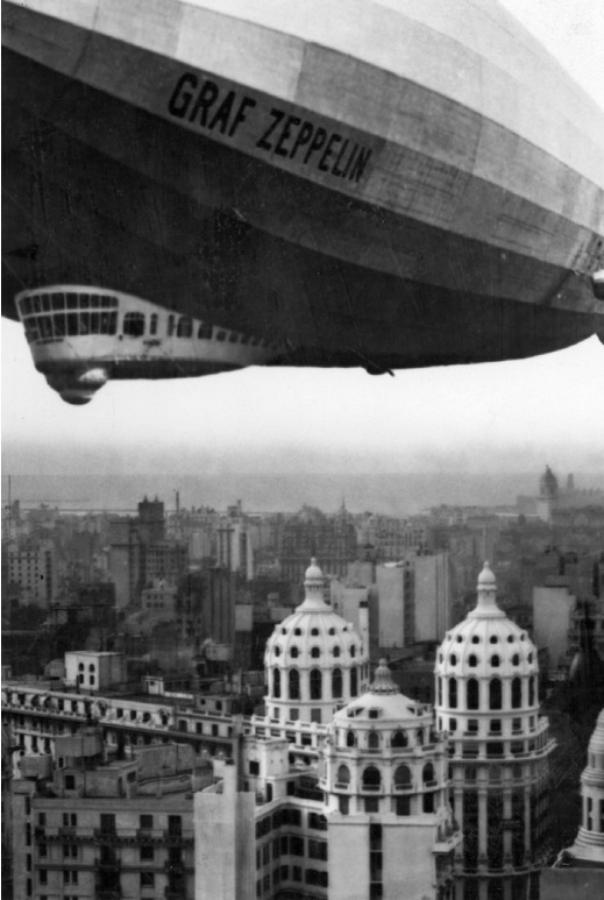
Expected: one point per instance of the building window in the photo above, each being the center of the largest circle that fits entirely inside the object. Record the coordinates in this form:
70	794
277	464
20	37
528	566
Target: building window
146	822
372	780
294	684
532	681
343	777
354	682
428	803
516	693
254	767
276	682
399	739
147	879
350	739
315	653
336	684
147	853
495	661
495	693
69	782
343	805
373	741
472	726
472	694
372	804
402	778
453	693
495	726
315	684
402	806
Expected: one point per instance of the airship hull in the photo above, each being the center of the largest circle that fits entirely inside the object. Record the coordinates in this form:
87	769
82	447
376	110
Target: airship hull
394	227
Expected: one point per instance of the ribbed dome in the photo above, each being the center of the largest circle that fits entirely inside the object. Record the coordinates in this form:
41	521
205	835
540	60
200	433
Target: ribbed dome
314	660
314	633
486	642
382	702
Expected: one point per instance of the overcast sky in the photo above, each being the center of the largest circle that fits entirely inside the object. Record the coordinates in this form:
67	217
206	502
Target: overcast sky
516	414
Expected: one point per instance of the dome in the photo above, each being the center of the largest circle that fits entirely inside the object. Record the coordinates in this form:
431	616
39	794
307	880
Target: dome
314	659
382	703
486	642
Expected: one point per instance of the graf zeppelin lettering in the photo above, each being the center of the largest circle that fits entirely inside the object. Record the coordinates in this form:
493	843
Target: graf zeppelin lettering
276	132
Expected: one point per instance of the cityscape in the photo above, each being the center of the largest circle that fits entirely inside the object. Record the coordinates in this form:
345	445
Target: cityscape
203	703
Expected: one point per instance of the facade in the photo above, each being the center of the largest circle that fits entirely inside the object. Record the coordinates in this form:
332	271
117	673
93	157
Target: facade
359	814
86	827
487	700
579	870
315	662
395	601
553	609
33	568
92	670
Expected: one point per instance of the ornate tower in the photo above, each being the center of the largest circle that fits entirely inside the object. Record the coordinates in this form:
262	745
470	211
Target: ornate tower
315	662
390	827
487	700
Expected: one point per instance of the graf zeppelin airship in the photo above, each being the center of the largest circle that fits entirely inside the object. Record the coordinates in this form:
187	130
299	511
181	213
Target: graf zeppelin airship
197	185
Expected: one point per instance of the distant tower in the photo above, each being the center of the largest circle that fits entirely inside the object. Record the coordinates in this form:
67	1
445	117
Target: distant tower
548	485
315	661
487	699
385	786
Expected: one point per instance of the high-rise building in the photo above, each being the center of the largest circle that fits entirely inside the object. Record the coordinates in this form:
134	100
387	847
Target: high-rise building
487	700
33	568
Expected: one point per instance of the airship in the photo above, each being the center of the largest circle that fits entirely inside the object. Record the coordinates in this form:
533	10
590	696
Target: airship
193	186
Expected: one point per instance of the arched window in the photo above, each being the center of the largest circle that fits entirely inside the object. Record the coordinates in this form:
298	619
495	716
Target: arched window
353	650
351	740
336	651
294	684
428	773
516	693
276	682
372	779
495	693
472	660
354	682
315	652
472	694
316	684
153	323
532	685
399	739
453	693
373	740
440	691
336	684
293	652
402	778
343	776
495	661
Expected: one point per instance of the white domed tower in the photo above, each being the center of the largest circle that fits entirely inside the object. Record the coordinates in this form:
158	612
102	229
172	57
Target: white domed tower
315	661
385	784
487	700
579	870
589	845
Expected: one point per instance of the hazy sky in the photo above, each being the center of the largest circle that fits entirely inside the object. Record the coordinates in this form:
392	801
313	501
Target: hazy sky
519	414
